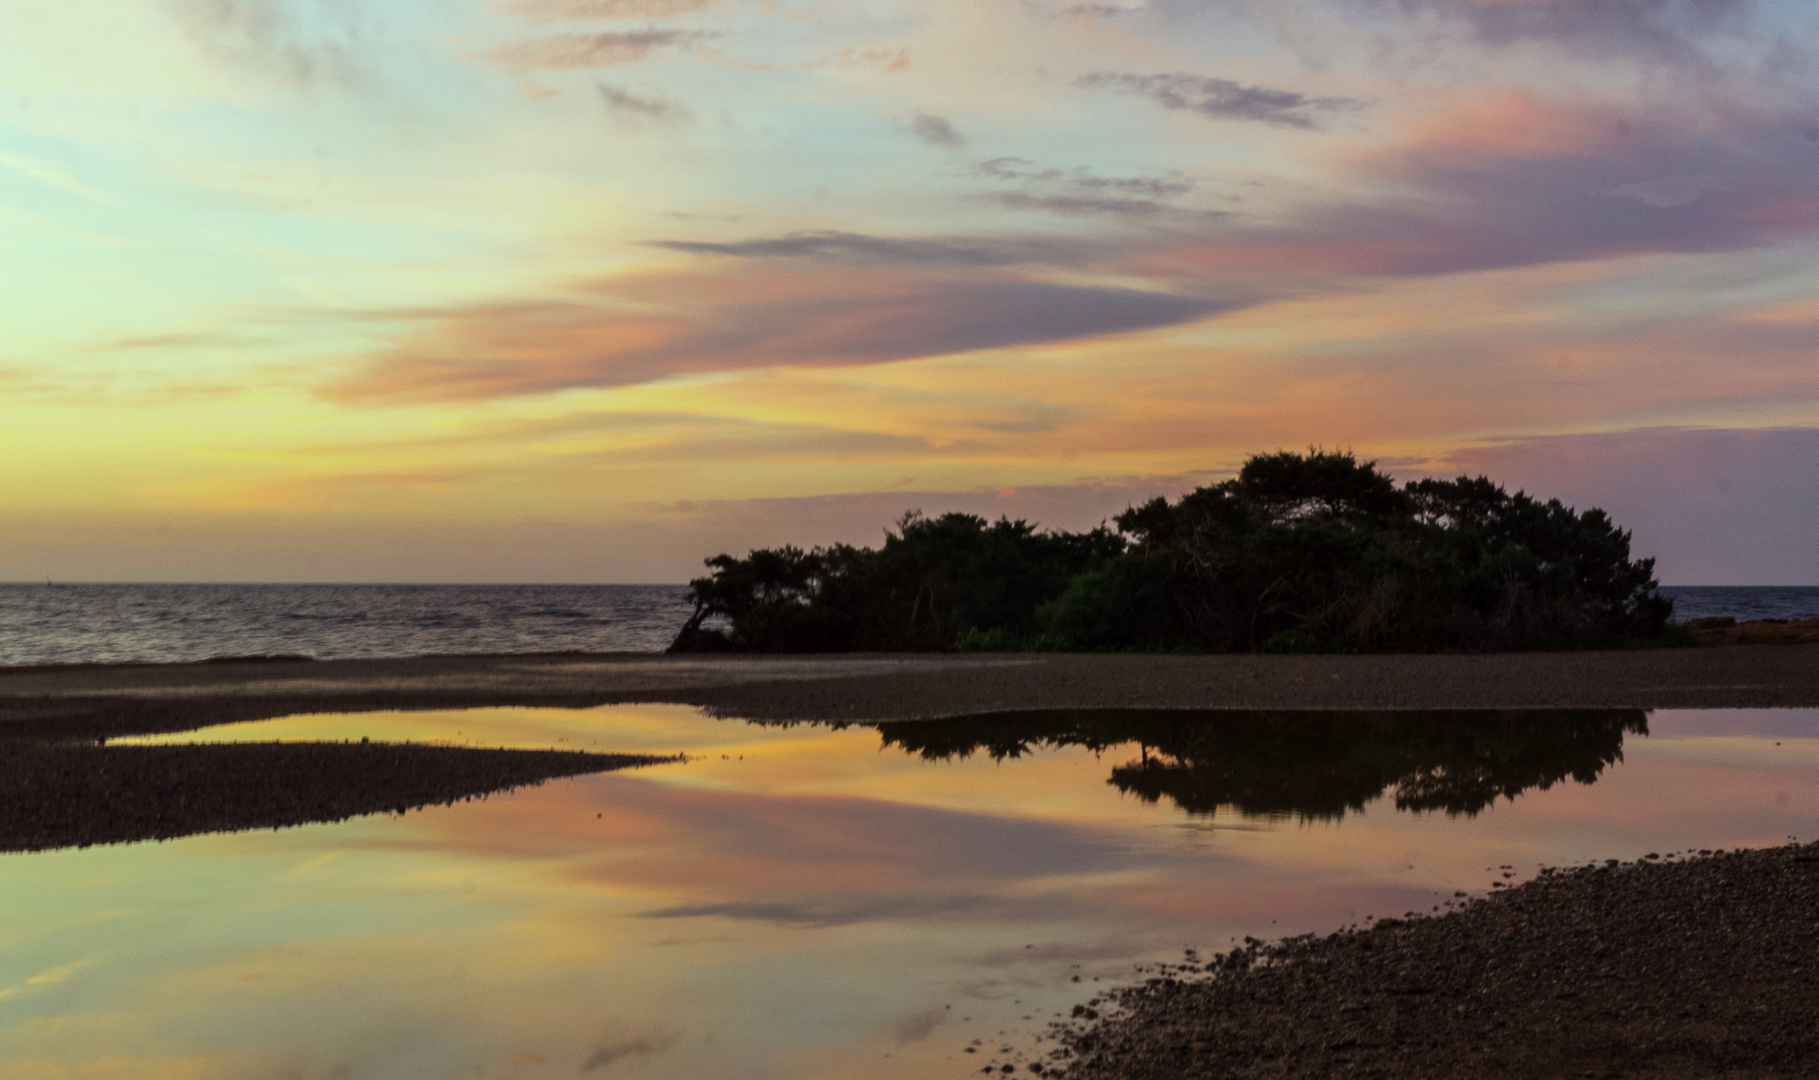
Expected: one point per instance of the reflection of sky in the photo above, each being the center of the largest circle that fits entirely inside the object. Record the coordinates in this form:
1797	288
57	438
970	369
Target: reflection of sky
787	903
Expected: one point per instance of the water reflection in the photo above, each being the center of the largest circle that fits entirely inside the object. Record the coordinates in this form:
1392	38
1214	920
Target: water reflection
1315	766
792	904
1270	765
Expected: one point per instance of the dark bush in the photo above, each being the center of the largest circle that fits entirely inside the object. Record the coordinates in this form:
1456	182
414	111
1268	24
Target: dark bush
1297	553
933	581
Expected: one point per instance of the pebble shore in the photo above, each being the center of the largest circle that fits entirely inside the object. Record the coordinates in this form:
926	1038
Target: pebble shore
1665	968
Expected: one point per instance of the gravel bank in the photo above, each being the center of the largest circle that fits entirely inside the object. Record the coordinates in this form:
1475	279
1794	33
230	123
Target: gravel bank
1707	967
96	701
75	796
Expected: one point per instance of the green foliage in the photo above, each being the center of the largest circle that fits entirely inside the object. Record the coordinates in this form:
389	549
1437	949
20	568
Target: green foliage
1297	553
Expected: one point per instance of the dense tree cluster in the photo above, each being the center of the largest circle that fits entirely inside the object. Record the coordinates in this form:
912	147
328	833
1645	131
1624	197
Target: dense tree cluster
1298	552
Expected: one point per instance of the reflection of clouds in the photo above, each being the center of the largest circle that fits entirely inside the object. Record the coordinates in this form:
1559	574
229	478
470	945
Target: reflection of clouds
527	925
918	1027
43	980
643	1046
807	861
832	843
837	911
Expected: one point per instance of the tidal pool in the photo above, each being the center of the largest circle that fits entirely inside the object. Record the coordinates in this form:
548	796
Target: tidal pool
808	901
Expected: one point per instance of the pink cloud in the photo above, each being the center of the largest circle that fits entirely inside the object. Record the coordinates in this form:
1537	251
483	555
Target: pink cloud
1509	181
629	331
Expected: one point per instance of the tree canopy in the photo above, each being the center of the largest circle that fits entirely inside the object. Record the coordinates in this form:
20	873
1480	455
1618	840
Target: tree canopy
1298	552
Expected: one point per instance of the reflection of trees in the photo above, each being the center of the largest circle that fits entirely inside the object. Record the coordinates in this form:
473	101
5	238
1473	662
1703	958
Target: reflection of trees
1314	765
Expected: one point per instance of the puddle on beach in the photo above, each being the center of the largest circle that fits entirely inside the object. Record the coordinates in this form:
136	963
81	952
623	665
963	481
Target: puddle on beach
815	902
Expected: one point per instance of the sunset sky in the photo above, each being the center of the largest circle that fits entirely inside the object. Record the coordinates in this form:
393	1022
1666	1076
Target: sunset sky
587	290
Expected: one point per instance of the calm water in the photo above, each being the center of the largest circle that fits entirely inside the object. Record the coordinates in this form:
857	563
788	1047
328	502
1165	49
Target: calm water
1753	602
61	624
813	902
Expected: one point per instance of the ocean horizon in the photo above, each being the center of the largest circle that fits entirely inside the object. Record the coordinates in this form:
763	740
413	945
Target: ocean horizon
126	622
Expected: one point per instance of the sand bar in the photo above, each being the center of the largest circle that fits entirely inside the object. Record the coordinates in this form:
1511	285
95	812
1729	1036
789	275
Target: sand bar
92	701
75	795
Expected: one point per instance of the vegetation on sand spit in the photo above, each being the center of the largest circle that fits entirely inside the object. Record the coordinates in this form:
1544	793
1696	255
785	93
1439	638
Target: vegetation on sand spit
1297	553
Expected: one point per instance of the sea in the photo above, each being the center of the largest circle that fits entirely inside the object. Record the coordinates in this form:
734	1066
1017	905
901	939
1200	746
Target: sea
67	624
169	623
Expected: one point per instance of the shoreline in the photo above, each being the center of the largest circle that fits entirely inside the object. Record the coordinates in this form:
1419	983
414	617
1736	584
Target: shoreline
1702	967
100	701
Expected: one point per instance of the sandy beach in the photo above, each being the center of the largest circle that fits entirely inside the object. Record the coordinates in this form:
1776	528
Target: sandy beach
99	701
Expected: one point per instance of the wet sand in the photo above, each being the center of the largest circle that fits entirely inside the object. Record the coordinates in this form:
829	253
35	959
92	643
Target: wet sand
1656	969
95	701
74	796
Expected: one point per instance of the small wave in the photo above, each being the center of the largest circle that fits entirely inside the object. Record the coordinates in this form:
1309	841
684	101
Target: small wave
218	623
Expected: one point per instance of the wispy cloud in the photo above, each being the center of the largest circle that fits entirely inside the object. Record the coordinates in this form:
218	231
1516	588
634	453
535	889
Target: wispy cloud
656	108
1096	11
634	332
552	10
1671	191
877	59
1668	31
1081	205
1702	37
275	40
863	248
1024	171
1078	192
1585	184
936	131
52	175
592	50
1222	98
181	340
